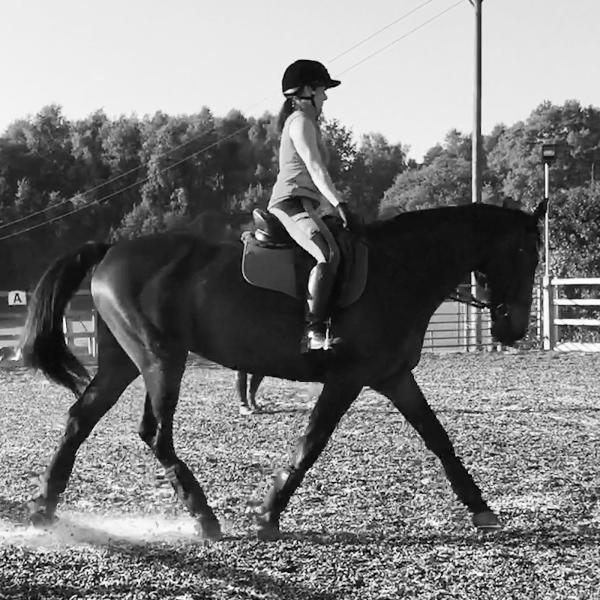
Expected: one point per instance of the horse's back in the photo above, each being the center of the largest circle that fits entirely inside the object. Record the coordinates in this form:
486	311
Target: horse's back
154	275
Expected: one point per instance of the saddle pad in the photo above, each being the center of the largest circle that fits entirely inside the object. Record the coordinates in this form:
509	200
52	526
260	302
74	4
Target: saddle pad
275	269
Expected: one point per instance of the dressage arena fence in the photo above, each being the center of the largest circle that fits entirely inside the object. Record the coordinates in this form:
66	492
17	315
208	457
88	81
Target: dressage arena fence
79	323
565	316
571	314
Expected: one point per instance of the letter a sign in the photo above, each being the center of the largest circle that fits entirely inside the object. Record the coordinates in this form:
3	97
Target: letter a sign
17	298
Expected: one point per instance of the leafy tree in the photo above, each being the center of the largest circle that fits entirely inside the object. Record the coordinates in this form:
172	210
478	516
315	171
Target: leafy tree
264	138
177	154
515	155
445	179
340	156
575	231
376	165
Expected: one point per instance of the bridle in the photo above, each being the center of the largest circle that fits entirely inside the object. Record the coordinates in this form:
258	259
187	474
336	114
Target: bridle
469	299
499	310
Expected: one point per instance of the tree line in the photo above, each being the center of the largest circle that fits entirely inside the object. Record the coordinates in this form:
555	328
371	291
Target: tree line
65	182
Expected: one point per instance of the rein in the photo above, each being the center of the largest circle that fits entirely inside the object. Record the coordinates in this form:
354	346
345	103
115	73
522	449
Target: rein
497	310
469	299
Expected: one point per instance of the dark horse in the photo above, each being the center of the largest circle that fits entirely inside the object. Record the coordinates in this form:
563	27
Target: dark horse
159	297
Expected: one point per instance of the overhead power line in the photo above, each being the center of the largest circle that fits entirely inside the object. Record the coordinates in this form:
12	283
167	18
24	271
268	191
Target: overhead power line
402	37
376	33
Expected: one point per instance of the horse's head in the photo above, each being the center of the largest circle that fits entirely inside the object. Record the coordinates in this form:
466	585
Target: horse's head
509	273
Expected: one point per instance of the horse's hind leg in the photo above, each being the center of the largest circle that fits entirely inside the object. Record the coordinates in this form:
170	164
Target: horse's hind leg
163	380
407	397
326	414
115	373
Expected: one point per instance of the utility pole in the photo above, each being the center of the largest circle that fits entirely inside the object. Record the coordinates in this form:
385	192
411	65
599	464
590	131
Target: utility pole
476	160
476	151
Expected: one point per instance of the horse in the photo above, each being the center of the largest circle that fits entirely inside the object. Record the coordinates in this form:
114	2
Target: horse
164	295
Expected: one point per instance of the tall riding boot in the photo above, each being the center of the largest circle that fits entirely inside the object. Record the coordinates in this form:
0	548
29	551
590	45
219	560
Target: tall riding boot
320	285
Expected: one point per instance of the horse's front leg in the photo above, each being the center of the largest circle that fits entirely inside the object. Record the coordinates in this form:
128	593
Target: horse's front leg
331	405
407	397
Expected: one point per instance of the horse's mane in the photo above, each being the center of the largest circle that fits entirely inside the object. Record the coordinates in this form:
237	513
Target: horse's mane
428	219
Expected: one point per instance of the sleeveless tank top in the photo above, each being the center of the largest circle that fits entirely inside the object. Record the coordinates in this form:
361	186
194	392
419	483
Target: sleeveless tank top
293	179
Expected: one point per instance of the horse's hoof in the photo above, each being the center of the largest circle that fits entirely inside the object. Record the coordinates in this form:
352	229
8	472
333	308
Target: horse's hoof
209	530
40	520
268	532
486	520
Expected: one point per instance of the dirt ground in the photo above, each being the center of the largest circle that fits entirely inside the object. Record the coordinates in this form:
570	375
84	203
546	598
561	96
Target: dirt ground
374	519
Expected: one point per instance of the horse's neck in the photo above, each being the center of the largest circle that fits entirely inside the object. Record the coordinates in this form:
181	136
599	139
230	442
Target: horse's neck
443	251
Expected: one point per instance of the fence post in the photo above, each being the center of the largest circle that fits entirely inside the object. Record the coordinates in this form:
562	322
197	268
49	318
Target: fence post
548	337
554	308
94	339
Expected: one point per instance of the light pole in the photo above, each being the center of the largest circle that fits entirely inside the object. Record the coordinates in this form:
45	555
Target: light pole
548	157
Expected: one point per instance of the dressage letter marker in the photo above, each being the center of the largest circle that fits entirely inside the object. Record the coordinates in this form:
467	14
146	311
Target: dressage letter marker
17	298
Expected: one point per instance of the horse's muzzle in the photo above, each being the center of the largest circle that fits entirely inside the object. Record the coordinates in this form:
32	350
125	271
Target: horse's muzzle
509	323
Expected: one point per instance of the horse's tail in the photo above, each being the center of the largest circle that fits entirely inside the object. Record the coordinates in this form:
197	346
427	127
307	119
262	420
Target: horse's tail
43	341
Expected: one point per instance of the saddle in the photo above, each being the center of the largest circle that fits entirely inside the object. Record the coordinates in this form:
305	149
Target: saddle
272	260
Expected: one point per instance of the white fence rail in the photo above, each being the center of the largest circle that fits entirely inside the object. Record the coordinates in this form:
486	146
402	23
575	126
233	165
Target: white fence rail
563	330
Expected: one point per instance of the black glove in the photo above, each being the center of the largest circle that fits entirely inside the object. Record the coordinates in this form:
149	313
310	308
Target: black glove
345	214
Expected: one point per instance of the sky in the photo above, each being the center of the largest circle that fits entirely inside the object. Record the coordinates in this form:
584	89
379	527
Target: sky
140	56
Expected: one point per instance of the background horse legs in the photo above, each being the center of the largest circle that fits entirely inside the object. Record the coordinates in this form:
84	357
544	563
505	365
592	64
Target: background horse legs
163	379
407	397
331	405
248	405
115	373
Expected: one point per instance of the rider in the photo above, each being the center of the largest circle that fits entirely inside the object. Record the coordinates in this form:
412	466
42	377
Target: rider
302	181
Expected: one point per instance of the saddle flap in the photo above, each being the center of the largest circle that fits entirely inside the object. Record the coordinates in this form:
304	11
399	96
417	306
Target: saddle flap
268	267
285	270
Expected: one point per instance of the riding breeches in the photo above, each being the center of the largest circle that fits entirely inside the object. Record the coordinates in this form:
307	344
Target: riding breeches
307	229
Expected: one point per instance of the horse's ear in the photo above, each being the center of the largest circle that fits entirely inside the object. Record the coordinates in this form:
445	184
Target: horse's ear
540	209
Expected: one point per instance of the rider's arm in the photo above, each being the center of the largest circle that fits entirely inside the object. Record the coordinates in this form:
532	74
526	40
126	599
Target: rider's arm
304	136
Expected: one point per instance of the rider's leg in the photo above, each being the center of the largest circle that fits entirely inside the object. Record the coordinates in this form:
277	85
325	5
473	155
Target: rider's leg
307	229
320	285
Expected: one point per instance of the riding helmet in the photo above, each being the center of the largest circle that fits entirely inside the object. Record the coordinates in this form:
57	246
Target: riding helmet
306	72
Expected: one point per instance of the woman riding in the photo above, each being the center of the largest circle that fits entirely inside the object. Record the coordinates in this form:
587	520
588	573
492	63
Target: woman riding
302	181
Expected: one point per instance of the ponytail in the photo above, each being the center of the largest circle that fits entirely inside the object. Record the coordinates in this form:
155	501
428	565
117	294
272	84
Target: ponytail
288	107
